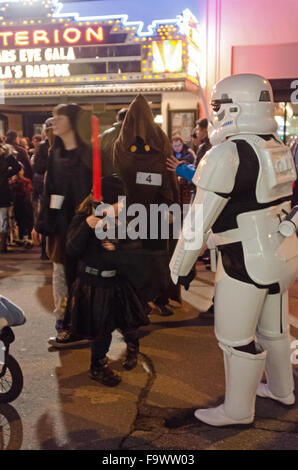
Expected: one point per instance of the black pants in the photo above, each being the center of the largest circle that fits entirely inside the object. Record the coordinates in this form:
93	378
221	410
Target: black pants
100	346
23	212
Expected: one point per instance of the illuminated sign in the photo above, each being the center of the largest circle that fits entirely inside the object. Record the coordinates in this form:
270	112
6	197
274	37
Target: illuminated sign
26	67
72	35
129	13
167	56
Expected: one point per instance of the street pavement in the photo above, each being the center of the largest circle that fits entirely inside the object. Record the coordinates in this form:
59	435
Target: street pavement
180	369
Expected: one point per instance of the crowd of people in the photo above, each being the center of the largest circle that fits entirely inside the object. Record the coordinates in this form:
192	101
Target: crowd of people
19	200
46	198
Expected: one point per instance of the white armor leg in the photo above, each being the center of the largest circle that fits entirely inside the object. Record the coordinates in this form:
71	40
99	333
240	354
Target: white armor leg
273	335
243	373
238	306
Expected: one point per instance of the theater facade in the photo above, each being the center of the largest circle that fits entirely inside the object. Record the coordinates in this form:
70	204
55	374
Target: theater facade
47	57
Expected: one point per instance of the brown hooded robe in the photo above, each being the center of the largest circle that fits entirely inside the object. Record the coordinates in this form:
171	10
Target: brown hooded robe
140	155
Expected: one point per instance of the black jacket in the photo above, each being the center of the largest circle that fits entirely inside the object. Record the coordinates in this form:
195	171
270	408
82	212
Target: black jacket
71	178
8	167
22	157
146	270
202	149
41	158
107	141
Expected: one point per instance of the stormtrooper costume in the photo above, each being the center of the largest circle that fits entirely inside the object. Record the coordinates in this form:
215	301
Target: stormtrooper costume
244	184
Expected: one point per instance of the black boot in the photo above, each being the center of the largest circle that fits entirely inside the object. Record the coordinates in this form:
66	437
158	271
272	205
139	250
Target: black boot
101	372
131	359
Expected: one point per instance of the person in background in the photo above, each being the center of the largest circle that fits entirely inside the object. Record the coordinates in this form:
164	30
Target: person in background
36	140
107	141
39	168
294	150
183	169
194	140
187	172
25	143
203	140
21	189
181	151
186	156
8	167
22	156
68	182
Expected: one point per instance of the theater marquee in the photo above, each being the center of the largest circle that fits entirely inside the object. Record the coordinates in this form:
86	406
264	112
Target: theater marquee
52	51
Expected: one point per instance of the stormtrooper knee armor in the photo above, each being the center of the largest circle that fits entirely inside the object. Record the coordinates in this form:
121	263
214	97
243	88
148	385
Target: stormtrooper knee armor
244	185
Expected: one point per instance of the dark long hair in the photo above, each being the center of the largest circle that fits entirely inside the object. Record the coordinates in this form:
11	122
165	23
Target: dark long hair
80	121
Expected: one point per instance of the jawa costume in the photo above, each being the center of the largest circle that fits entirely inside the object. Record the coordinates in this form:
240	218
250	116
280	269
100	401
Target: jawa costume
140	155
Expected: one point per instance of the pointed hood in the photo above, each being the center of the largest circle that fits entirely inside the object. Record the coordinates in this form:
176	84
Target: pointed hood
139	123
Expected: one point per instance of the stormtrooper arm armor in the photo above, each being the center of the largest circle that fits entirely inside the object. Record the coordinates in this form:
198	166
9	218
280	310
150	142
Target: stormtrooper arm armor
215	178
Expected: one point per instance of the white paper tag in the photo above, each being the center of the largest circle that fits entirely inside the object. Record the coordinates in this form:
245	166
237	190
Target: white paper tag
153	179
56	201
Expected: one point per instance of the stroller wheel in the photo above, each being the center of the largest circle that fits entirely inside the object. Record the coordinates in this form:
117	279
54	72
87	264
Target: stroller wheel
11	380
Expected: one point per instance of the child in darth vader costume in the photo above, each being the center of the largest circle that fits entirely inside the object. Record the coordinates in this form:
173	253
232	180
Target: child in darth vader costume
102	297
140	155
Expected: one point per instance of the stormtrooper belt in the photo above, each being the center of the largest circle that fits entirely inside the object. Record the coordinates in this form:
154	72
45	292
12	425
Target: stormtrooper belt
230	236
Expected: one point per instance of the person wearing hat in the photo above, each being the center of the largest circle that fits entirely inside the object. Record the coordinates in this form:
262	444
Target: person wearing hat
140	155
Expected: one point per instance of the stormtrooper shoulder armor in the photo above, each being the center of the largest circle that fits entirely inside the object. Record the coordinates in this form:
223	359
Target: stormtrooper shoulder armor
217	170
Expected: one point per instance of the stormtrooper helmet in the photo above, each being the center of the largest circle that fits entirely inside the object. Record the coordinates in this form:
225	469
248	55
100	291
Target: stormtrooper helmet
241	104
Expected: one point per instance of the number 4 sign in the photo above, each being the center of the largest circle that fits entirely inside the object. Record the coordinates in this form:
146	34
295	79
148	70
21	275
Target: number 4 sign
154	179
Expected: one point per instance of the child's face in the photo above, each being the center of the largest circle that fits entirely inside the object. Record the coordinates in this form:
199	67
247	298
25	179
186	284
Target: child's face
21	173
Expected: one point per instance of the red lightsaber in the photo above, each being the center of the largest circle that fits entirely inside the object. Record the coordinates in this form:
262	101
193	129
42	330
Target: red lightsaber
96	160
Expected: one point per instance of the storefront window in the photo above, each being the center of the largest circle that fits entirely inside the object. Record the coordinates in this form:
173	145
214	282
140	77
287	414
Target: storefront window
286	116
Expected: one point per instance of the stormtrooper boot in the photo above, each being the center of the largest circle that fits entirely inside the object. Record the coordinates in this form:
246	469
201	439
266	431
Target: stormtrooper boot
243	373
278	369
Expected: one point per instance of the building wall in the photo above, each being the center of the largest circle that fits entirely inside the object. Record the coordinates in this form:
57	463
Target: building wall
234	23
15	122
180	100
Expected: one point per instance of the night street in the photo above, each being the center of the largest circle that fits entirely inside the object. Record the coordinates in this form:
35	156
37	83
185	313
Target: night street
180	369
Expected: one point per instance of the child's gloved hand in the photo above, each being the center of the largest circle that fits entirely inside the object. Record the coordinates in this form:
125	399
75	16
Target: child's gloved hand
92	221
186	280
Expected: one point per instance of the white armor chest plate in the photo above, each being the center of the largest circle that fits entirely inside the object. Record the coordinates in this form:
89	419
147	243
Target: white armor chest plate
277	169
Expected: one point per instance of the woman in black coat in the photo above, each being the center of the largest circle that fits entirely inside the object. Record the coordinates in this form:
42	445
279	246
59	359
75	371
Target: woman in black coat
68	182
